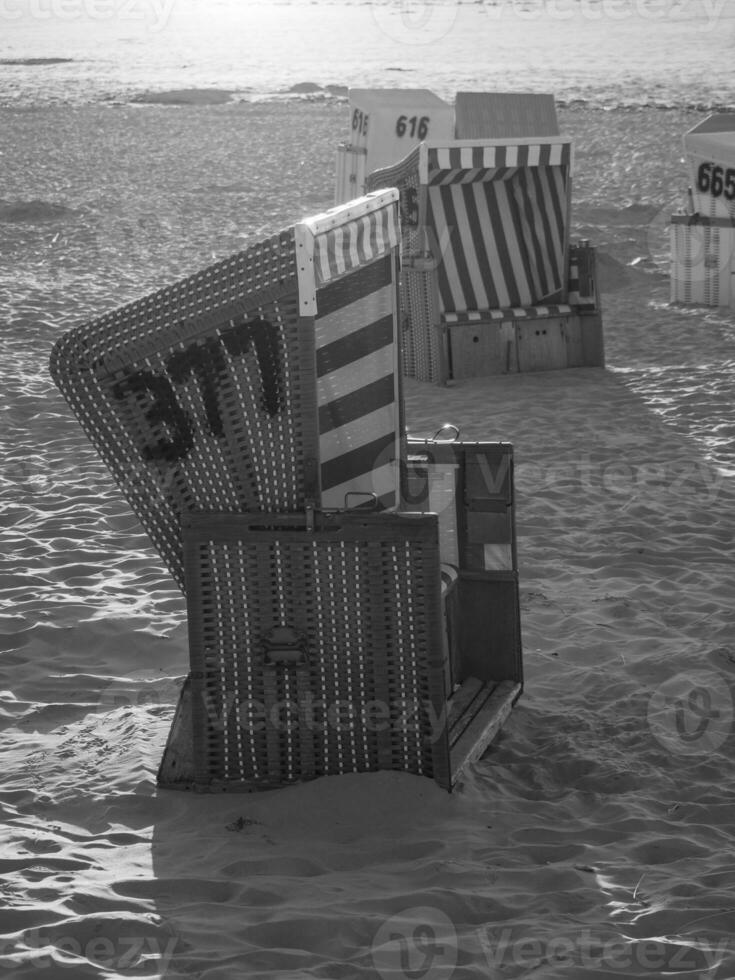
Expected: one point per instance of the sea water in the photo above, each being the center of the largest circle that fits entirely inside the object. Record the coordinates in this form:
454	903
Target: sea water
613	52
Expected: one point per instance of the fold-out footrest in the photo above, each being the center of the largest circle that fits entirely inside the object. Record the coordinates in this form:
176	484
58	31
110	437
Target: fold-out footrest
477	711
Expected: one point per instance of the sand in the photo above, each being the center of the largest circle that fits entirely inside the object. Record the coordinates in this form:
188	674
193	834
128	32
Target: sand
595	838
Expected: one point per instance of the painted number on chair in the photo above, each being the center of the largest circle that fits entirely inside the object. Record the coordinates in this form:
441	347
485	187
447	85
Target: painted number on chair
413	126
716	180
172	429
360	122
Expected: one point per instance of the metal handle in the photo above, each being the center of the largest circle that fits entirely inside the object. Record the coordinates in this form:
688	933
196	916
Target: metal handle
444	428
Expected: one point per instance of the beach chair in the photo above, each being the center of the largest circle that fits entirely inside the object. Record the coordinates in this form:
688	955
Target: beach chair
702	237
385	123
487	262
253	416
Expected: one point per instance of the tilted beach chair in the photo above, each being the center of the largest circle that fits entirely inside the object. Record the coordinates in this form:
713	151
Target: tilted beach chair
253	416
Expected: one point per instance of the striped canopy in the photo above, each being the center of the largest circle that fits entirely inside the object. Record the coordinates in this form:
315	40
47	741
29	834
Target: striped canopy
495	215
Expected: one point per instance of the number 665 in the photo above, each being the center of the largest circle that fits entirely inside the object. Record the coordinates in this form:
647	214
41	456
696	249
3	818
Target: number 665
718	181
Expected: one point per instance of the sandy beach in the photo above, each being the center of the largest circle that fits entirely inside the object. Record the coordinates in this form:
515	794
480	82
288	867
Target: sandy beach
595	838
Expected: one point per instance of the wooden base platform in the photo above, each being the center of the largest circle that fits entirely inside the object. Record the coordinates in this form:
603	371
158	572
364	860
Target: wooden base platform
543	343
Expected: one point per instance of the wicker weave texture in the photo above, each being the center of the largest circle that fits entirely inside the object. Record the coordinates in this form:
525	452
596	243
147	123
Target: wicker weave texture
357	682
419	292
200	396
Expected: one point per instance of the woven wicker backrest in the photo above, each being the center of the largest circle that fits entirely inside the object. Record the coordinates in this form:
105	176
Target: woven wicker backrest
200	395
254	384
315	652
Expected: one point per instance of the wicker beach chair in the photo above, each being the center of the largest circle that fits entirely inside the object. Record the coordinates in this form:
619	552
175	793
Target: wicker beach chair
253	416
486	259
702	240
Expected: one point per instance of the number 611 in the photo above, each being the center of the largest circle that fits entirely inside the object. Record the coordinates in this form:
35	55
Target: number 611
717	181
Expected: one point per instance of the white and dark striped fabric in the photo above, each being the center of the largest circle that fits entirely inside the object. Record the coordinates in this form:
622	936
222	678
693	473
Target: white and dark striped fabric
357	387
508	313
495	217
502	212
348	246
460	163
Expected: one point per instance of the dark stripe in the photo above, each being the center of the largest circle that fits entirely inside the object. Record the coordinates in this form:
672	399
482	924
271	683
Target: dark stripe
478	243
545	185
437	223
360	283
514	296
358	403
355	345
554	217
357	462
459	218
528	202
519	229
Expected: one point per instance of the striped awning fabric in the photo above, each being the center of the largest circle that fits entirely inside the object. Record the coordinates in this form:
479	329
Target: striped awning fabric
357	388
504	239
344	238
351	245
460	163
511	313
494	215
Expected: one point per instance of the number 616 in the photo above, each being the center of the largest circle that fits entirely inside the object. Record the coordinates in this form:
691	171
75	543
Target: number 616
718	181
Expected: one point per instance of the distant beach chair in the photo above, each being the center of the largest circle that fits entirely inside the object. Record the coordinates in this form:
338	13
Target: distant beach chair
703	238
490	280
385	123
253	416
